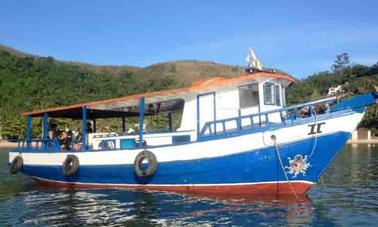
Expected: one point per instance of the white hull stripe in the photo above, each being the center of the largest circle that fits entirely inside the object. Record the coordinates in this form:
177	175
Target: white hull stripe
208	149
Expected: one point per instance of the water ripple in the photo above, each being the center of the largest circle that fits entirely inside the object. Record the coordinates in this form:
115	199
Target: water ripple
346	195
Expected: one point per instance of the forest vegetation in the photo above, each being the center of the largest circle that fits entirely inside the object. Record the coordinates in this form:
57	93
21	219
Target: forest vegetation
29	82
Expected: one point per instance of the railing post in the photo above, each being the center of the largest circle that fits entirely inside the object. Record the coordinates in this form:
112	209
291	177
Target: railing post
259	116
215	113
309	110
282	119
141	120
84	128
198	118
239	121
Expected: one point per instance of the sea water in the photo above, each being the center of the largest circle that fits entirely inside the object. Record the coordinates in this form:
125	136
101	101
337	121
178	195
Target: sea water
347	195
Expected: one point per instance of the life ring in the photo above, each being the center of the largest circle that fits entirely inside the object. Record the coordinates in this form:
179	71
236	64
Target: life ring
151	161
70	165
16	164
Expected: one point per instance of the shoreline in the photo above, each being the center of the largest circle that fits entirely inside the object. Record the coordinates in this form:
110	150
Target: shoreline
370	141
7	144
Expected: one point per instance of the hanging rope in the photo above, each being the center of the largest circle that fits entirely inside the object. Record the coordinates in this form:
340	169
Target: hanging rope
273	137
314	136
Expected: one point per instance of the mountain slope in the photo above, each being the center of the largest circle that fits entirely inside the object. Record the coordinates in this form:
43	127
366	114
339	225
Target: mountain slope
184	71
30	82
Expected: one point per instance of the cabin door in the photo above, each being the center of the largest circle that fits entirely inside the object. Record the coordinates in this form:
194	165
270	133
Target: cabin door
205	110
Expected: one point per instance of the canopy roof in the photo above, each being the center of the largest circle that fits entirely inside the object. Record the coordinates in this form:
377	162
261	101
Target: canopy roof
165	100
76	113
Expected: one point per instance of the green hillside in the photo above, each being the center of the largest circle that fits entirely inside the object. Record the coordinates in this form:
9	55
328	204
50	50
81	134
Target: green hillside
29	82
356	79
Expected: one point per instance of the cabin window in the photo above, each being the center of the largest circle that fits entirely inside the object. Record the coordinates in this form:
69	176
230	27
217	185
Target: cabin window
272	94
283	96
277	95
249	95
269	94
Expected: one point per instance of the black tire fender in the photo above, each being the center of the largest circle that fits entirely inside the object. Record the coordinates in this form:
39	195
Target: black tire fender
16	164
152	164
71	165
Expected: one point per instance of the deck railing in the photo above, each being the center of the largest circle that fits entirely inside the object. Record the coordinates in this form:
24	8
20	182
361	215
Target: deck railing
286	115
39	144
46	145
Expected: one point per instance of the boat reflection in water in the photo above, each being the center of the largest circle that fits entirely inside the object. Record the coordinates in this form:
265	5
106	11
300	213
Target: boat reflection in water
294	210
139	207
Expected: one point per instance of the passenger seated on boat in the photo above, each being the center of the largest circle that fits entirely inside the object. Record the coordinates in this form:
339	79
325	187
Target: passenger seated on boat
77	139
304	112
74	139
131	131
53	131
64	141
70	136
89	128
78	136
321	108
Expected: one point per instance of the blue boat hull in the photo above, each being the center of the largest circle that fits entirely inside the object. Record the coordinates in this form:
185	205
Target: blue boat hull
254	171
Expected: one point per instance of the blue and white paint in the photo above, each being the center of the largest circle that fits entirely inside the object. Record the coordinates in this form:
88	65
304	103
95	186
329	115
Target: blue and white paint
243	159
222	146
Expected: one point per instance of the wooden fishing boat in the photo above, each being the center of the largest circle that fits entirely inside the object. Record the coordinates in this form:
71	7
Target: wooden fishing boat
236	136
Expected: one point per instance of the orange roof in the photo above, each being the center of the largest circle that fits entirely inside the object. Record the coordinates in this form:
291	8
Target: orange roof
196	86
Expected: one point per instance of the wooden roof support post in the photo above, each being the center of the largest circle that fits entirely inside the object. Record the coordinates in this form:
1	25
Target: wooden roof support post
141	120
170	122
84	129
123	124
45	126
45	129
28	131
94	125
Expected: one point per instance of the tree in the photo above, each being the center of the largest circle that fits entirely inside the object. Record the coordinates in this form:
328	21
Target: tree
341	62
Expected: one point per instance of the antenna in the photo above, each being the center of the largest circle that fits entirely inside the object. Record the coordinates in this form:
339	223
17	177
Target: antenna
254	63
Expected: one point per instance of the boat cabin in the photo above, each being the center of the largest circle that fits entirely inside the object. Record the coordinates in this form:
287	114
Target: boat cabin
209	108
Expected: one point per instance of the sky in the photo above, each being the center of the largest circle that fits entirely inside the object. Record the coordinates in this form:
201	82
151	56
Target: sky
298	37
